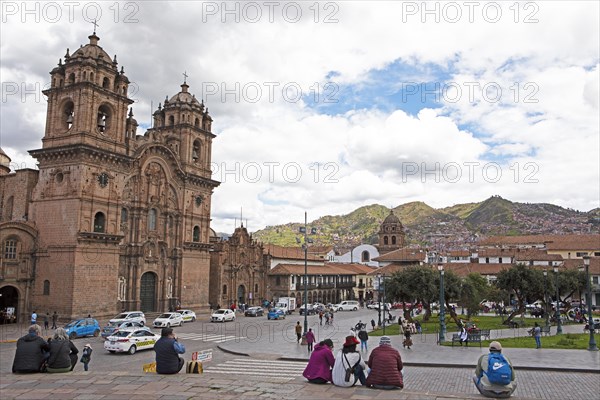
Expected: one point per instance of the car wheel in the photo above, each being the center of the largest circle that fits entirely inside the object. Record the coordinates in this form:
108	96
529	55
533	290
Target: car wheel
96	333
132	349
72	335
355	309
193	319
340	309
111	351
168	324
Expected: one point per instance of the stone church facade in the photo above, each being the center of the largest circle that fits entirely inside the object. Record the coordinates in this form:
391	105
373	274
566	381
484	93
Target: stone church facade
112	220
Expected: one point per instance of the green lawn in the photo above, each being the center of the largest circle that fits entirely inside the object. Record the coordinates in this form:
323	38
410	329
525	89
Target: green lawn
571	341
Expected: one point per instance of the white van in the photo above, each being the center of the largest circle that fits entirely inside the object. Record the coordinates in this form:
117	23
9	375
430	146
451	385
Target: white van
347	305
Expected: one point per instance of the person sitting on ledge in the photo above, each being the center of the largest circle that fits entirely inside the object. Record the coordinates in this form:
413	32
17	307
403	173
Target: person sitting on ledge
167	350
386	366
31	352
320	363
494	375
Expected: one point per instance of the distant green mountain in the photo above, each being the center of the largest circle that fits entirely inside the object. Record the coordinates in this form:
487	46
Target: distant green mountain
455	226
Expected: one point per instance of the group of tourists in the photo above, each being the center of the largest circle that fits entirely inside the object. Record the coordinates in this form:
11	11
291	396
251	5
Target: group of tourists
383	370
57	354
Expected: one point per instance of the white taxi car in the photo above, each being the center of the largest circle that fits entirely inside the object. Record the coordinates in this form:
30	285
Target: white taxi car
168	320
188	315
222	315
131	340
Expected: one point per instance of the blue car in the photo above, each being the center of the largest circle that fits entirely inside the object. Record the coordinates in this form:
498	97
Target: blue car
276	313
82	327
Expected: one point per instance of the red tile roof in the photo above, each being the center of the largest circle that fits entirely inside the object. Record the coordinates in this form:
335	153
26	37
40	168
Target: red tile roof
327	269
552	242
292	253
403	255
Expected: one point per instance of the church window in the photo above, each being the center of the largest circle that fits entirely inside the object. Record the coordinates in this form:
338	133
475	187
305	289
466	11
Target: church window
171	120
393	228
104	118
46	287
122	288
105	83
152	219
393	239
69	114
71	78
124	90
196	151
60	82
124	215
84	75
92	77
10	249
196	235
197	123
365	257
224	289
9	208
385	240
99	222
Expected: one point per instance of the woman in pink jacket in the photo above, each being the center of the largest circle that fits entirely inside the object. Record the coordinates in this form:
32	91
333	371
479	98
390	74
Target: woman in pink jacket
320	363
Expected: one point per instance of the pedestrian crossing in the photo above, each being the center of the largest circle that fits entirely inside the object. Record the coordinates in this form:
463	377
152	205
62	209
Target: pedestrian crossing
205	337
272	369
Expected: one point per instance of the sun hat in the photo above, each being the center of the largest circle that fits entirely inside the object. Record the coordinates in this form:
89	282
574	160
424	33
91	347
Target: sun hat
351	341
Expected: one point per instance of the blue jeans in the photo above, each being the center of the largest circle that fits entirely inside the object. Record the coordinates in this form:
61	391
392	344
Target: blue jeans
538	342
359	374
363	343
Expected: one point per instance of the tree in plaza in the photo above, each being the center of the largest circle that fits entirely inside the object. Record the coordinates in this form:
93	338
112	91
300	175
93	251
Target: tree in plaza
525	283
452	290
474	289
413	284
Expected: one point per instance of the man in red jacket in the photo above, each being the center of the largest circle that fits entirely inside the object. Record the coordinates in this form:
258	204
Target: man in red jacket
386	366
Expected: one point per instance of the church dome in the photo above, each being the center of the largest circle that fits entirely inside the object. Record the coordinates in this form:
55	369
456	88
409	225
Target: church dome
184	97
391	219
91	52
4	162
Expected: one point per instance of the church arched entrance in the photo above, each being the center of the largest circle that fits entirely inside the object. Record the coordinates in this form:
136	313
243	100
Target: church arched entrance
9	304
148	292
241	294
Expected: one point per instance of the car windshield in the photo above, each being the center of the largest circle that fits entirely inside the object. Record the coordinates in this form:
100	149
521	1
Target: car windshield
121	316
164	316
113	324
71	324
122	334
220	312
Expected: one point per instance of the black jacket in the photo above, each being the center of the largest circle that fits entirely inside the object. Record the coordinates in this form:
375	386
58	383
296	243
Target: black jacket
30	354
60	351
167	359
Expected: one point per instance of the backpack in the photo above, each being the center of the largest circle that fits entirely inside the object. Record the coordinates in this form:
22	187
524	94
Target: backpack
499	371
351	369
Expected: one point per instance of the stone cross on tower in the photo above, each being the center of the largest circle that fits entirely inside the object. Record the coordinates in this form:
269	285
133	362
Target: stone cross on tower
185	75
95	26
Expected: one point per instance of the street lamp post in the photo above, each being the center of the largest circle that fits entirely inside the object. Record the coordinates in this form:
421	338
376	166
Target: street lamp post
384	304
442	337
305	248
557	313
546	297
592	343
379	299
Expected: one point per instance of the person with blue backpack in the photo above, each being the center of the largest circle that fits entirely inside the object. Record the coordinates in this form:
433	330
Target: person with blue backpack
495	375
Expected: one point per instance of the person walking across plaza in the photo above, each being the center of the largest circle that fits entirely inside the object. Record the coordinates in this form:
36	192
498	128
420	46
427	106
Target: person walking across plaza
167	350
46	320
31	352
494	375
63	353
34	318
537	335
364	337
298	328
87	356
386	366
310	339
54	320
320	363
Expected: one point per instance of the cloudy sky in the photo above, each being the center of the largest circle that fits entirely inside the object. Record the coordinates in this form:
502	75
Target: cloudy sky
329	106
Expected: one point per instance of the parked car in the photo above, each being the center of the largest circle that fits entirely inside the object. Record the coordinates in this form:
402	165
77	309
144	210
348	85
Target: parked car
82	327
222	315
188	315
347	305
131	340
309	308
168	320
136	316
377	305
114	327
276	313
254	312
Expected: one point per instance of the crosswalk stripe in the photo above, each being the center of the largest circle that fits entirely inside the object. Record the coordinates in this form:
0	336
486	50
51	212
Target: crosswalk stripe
284	370
210	338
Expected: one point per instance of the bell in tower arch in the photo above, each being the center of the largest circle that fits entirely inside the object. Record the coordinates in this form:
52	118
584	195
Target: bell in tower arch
101	121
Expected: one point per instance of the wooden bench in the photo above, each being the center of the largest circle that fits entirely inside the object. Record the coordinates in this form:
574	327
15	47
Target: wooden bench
455	338
485	333
474	338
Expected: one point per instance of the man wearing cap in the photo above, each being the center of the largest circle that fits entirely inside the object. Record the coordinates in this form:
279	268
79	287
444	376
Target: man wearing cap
386	366
481	380
167	350
349	358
